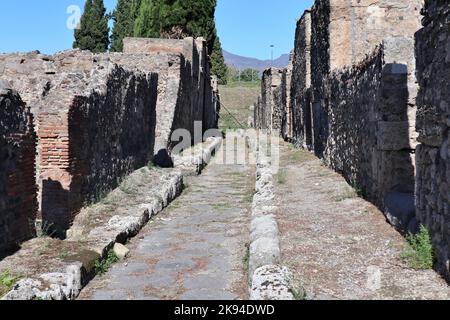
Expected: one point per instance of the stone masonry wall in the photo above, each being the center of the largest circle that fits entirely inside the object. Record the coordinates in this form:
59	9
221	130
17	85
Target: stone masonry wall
301	84
195	87
287	130
353	96
433	153
270	108
18	204
343	33
101	116
92	131
371	133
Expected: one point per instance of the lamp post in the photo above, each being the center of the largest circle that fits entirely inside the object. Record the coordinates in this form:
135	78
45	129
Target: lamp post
271	47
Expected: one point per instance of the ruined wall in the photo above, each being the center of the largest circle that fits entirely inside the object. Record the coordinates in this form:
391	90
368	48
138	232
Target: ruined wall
301	84
18	204
101	116
287	130
371	126
92	131
343	34
270	108
195	87
433	153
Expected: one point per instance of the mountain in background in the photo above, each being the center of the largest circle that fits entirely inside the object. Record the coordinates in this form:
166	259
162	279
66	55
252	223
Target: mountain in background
241	63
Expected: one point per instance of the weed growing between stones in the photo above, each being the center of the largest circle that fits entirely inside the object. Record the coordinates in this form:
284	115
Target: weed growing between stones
419	254
299	293
282	177
348	193
7	281
246	258
103	266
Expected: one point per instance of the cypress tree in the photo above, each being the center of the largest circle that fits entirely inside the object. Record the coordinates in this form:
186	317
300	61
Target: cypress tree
93	32
123	24
218	65
176	19
147	18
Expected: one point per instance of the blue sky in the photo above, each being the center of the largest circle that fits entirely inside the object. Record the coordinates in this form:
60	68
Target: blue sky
246	27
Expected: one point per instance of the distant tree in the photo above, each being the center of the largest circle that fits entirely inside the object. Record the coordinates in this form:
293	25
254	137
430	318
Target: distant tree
93	31
218	66
176	19
250	74
124	17
147	18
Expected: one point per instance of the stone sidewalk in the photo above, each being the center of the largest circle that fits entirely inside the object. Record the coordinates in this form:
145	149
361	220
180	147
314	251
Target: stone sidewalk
338	245
195	249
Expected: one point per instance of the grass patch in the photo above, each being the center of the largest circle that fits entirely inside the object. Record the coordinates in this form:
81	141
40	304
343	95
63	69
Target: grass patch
419	254
102	266
248	197
299	293
348	193
7	282
282	177
246	258
63	254
127	187
221	206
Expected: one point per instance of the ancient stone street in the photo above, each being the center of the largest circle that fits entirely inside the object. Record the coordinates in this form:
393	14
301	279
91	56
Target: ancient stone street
193	250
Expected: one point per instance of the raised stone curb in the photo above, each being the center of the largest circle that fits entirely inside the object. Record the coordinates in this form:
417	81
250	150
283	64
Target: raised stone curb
192	161
67	283
268	279
271	282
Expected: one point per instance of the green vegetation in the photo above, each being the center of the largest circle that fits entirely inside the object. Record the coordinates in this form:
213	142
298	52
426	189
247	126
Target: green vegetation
248	75
218	66
348	193
246	258
93	31
282	177
124	17
128	187
103	266
237	99
176	19
299	293
419	254
7	281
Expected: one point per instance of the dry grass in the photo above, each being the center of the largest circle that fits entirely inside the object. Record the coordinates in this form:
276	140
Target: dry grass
238	99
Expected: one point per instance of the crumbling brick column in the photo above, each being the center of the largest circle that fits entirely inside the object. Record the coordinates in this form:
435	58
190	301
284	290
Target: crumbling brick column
433	156
18	201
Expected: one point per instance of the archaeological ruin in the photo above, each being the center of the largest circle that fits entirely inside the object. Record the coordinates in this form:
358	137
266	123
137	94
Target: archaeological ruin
345	161
97	118
368	93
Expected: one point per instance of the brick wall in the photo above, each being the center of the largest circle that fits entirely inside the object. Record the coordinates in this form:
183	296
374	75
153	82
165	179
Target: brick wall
92	131
433	156
18	205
